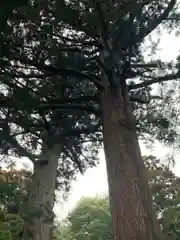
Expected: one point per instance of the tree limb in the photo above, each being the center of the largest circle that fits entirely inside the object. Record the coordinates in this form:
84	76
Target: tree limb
22	152
55	70
22	75
84	130
155	80
9	103
79	99
144	100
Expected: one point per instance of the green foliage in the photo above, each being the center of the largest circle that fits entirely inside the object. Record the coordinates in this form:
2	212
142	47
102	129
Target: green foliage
11	226
165	188
13	196
13	186
91	219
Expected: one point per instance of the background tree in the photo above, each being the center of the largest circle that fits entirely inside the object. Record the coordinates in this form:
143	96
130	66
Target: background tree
92	218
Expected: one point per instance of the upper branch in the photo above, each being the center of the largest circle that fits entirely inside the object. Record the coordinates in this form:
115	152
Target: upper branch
155	80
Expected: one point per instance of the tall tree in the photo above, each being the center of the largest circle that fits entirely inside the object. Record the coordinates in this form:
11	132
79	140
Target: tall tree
26	132
93	52
55	141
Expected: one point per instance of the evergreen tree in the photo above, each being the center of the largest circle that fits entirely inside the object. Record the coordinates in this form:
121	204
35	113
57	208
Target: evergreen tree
79	57
58	142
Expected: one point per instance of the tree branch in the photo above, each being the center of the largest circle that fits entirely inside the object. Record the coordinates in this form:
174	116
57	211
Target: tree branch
55	70
74	157
22	75
9	103
155	80
22	152
139	99
79	99
143	99
84	130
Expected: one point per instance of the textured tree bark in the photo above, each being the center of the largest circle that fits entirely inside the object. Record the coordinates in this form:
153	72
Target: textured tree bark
131	203
41	193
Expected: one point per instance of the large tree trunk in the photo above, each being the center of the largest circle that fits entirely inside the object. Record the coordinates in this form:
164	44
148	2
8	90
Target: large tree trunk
131	203
41	193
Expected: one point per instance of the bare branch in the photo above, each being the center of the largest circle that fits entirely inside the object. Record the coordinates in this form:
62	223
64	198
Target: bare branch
79	99
139	99
143	99
155	80
146	65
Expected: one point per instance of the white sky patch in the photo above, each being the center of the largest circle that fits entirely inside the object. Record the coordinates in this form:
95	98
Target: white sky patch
18	163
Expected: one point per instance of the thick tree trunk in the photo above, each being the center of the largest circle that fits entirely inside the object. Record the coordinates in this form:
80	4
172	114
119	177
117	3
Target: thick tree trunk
131	204
41	193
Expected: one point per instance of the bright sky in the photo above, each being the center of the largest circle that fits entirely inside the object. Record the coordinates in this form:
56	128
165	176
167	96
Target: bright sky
94	181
